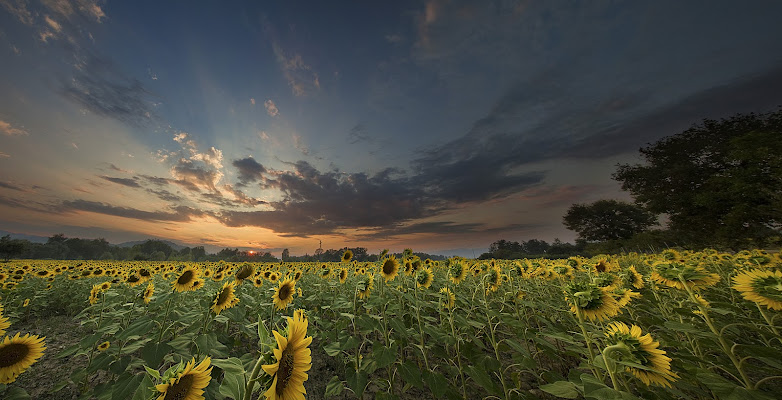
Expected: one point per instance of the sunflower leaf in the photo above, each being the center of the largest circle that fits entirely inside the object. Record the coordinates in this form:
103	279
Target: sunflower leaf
334	387
564	389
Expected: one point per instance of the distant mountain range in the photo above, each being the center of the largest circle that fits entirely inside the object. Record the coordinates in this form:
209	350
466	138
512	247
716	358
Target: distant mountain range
44	239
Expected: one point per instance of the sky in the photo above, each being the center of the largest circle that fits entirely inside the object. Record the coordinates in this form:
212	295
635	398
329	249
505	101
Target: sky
438	125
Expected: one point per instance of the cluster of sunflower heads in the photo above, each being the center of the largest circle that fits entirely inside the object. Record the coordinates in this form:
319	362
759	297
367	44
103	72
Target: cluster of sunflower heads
676	274
17	353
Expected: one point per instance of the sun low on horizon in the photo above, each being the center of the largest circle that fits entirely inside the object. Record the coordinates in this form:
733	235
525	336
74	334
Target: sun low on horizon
440	126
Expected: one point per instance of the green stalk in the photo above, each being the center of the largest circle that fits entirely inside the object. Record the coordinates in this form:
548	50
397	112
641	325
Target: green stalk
588	339
458	354
727	349
420	327
494	343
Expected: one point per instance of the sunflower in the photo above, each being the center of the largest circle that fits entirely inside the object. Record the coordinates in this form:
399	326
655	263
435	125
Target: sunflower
654	365
424	277
104	346
186	279
390	268
448	299
17	354
347	256
188	384
258	281
225	299
26	303
365	285
244	272
624	296
696	276
343	275
284	293
457	272
593	302
631	277
293	360
764	287
197	284
148	292
273	277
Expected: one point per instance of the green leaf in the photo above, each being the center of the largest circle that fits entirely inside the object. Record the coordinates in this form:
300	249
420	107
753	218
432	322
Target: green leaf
233	386
153	353
16	393
334	387
121	389
385	356
608	393
437	383
564	389
231	365
333	348
154	373
357	381
411	374
481	377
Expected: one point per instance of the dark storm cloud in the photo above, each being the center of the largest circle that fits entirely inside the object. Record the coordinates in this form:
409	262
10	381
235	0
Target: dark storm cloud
99	86
10	186
249	170
758	93
165	195
318	203
177	214
129	182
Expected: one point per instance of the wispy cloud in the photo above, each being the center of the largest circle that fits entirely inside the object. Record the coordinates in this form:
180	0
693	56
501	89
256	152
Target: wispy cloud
301	77
271	108
129	182
9	130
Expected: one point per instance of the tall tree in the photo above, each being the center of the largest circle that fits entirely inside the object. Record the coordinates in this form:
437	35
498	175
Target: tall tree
607	220
719	182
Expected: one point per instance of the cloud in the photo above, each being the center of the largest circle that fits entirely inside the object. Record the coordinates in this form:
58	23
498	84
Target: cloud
8	130
4	155
177	214
249	170
18	8
271	108
122	181
319	203
359	133
11	186
298	143
300	76
99	86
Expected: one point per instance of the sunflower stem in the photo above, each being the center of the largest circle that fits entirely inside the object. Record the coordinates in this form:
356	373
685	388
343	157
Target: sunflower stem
420	327
248	390
588	340
727	349
165	320
458	354
768	320
493	338
611	363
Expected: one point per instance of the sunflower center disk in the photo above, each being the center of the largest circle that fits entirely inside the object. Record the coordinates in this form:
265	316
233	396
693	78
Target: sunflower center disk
185	278
180	389
285	372
12	354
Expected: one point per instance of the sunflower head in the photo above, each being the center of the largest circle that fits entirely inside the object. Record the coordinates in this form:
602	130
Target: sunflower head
671	273
225	298
284	293
17	354
148	292
365	285
390	268
343	275
629	345
591	301
347	256
456	272
244	272
188	384
763	287
424	278
185	280
447	299
104	346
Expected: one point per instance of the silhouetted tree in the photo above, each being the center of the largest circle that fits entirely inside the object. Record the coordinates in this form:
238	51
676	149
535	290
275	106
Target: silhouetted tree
607	220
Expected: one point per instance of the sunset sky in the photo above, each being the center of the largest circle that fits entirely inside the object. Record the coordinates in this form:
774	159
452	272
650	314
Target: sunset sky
437	125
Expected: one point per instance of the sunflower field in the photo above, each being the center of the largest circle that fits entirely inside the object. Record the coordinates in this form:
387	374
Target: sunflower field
672	325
